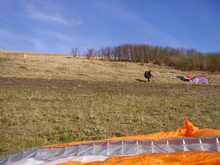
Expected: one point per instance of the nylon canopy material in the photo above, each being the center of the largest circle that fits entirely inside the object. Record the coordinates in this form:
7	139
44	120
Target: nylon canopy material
200	80
179	158
187	130
197	79
184	146
183	78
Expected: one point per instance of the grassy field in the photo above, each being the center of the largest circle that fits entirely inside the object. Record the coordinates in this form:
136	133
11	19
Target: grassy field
55	98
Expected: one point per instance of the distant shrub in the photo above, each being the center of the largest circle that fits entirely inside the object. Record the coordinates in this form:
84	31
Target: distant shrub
180	58
213	63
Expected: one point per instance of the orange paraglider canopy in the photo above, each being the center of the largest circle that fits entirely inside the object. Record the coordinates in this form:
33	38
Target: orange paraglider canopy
187	145
177	158
187	130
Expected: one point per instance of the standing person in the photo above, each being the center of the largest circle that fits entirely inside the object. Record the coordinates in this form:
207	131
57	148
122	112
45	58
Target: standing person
148	75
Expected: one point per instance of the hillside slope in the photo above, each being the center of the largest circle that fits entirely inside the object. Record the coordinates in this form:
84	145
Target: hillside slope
62	66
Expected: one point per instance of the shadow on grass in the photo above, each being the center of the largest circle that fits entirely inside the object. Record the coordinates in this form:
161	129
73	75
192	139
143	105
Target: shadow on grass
141	80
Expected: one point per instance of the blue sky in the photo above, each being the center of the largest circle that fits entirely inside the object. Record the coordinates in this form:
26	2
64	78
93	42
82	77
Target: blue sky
57	26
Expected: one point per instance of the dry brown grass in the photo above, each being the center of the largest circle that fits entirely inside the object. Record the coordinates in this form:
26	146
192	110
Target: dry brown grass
61	66
54	98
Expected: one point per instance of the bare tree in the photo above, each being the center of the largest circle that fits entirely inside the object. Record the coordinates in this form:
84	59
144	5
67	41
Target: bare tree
105	52
89	53
75	51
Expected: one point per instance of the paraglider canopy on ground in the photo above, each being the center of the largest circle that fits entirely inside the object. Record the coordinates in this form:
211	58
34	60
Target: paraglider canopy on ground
186	145
200	80
183	78
24	55
197	79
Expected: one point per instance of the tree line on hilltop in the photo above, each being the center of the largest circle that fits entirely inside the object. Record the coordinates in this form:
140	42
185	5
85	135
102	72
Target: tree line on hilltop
178	58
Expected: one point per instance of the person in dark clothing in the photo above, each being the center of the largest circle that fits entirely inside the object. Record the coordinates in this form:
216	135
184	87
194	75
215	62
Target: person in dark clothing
148	75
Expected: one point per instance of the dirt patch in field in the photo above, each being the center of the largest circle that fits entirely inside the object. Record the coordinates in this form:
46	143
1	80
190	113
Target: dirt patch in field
69	84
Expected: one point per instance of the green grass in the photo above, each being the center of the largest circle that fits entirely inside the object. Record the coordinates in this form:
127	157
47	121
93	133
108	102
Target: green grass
39	112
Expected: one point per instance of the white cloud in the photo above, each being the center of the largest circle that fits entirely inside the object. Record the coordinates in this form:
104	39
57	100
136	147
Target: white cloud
150	31
59	36
6	33
53	46
65	48
36	14
49	14
62	37
39	45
